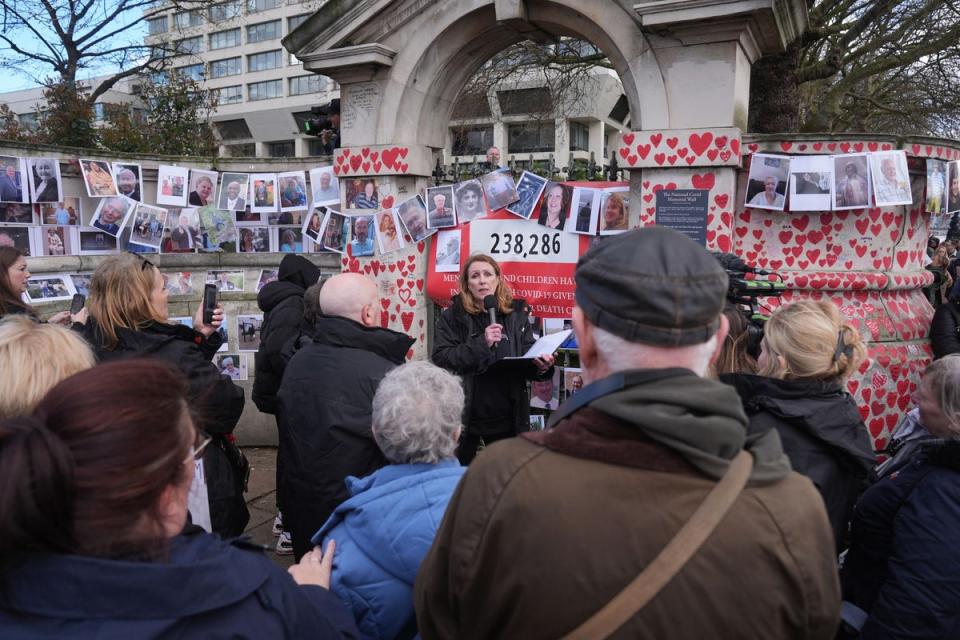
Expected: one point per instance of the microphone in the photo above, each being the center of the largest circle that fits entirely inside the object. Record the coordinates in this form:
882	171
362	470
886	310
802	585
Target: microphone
490	304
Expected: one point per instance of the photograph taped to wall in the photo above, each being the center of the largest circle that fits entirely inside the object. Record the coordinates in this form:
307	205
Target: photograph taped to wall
336	232
172	185
59	241
584	211
20	238
470	205
232	365
286	218
389	237
98	178
17	213
529	189
266	277
614	210
545	394
448	251
81	282
314	223
46	184
499	189
555	206
61	214
184	231
362	231
288	239
233	192
226	281
811	183
362	193
440	207
97	242
50	288
129	177
767	182
263	192
413	215
936	201
248	331
203	188
218	225
146	227
851	181
891	180
253	240
13	180
112	214
293	190
325	186
179	283
247	217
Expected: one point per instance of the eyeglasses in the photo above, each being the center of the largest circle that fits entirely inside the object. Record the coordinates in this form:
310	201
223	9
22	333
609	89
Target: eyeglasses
196	450
144	263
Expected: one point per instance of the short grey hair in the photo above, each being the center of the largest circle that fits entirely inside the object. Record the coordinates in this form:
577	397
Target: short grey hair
943	376
620	354
416	413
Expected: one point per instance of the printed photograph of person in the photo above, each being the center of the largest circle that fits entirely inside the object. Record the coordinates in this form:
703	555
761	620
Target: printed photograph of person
16	213
248	332
184	231
171	185
335	232
49	288
388	237
448	251
361	235
500	189
469	201
537	422
290	240
61	213
218	226
286	217
96	242
111	214
936	186
203	186
572	381
56	241
614	211
226	280
128	177
266	277
366	197
556	204
16	237
293	190
584	211
953	190
811	178
12	188
767	182
233	191
325	186
545	394
413	215
248	217
147	226
45	184
528	193
232	365
440	213
891	182
263	188
179	283
98	178
314	224
81	282
851	189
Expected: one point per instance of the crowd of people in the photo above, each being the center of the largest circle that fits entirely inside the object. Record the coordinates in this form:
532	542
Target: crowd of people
692	487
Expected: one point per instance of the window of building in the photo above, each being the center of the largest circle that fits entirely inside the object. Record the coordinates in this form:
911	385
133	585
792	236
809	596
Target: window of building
28	121
281	149
471	140
225	11
232	129
579	137
224	39
301	85
263	31
195	72
157	25
315	147
620	110
523	101
531	137
245	150
189	45
295	21
255	6
99	111
226	67
265	60
471	105
230	95
187	19
265	90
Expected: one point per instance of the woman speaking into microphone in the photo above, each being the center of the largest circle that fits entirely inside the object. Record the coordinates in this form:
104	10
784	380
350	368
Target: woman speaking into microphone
485	324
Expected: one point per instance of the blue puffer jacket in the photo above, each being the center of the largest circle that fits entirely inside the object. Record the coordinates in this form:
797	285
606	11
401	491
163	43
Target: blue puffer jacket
207	588
903	567
383	531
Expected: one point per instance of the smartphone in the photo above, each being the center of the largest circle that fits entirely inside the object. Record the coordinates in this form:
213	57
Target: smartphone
77	304
209	302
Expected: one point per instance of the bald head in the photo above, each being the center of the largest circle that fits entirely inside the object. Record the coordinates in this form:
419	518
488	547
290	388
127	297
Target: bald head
351	296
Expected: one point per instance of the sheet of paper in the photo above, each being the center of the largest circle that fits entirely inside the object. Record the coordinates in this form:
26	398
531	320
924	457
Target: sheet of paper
545	346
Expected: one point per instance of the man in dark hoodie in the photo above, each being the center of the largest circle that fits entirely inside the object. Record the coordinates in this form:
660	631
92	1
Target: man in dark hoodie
326	403
282	305
545	529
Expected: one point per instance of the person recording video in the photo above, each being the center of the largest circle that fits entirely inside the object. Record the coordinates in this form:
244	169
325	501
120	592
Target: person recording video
468	344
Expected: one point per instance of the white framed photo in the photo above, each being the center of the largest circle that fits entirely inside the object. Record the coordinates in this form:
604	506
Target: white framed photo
98	178
293	190
94	242
389	237
614	210
112	214
811	183
584	211
129	178
851	181
413	215
203	188
234	188
528	193
248	331
147	224
324	186
263	192
172	185
891	181
46	184
13	180
50	287
767	182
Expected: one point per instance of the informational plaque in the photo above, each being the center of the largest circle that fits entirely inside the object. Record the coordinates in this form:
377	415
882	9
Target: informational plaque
684	210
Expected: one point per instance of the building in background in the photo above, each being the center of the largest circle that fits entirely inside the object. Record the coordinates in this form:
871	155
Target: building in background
26	102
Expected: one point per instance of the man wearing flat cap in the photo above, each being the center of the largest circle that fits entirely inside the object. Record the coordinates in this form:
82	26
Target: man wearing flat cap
547	528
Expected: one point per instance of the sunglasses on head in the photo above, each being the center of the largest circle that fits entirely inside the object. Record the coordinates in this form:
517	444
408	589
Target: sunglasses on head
144	263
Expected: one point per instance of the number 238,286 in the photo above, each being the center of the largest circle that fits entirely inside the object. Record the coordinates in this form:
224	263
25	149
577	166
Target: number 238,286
523	245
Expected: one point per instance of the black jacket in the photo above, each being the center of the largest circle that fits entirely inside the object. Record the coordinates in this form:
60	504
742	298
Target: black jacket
214	398
822	434
206	589
326	398
903	567
944	329
282	306
495	401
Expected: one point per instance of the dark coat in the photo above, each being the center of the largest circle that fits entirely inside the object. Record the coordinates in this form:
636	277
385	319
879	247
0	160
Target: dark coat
945	329
326	407
214	398
495	401
207	589
822	434
903	567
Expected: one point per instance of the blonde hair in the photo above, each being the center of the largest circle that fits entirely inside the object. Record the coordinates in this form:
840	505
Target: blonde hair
812	342
943	380
120	296
41	355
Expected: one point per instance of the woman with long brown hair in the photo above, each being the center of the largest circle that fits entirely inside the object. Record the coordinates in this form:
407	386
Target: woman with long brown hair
14	277
468	344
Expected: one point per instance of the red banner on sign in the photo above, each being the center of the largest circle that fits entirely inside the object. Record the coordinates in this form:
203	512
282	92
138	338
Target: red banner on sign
537	262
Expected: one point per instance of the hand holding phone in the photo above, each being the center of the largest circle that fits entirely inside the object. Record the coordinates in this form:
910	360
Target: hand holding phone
79	300
209	302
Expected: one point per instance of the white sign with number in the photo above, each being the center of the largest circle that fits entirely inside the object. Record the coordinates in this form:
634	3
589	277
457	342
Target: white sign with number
520	240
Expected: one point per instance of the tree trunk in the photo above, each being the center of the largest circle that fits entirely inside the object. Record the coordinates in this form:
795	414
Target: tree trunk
775	94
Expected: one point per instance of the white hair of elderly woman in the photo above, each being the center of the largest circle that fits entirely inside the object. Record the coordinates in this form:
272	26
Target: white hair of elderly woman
416	414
